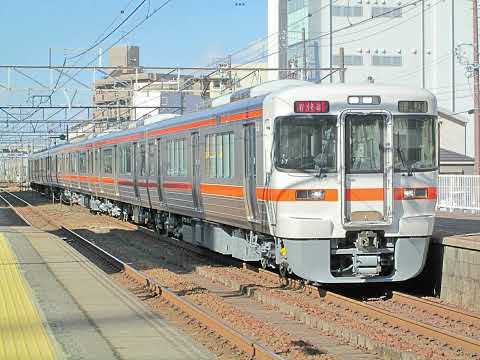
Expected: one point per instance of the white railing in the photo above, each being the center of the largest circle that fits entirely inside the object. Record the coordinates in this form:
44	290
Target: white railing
459	192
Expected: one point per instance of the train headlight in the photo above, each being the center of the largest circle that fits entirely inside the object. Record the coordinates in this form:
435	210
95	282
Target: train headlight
364	100
417	193
408	194
313	195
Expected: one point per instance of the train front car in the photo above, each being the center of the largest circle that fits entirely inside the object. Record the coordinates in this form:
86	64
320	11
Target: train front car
351	180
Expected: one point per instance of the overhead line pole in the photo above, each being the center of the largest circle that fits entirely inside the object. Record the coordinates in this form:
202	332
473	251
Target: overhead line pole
476	89
423	43
453	56
304	44
331	40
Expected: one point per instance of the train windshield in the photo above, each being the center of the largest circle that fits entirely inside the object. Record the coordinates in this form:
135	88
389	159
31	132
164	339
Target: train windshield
415	143
306	143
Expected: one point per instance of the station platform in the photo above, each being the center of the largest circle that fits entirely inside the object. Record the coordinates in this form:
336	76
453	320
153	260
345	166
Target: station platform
454	259
457	229
56	304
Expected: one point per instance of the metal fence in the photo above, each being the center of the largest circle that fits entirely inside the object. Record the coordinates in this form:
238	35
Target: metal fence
459	192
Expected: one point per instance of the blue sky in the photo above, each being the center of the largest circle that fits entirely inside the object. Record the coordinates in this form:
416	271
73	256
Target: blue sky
185	32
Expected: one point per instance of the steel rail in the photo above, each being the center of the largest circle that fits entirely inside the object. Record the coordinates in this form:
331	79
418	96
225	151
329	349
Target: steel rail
253	349
470	344
463	342
9	204
437	308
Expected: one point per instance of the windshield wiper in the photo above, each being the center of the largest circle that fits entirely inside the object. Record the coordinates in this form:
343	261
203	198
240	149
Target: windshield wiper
410	169
322	159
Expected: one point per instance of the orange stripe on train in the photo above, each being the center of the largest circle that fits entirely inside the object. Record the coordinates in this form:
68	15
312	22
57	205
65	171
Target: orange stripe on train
368	194
291	194
252	114
222	190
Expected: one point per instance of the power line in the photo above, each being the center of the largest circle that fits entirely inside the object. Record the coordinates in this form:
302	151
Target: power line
95	44
165	3
114	20
148	16
341	29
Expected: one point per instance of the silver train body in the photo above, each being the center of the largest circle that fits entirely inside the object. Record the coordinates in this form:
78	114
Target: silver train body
333	183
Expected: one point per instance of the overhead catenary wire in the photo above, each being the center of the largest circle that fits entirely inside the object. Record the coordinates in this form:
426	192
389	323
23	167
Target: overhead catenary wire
136	26
98	41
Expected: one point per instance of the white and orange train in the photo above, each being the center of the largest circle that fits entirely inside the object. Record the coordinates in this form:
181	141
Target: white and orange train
333	183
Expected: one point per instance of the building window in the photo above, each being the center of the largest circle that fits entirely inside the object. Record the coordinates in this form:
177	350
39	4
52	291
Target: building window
378	60
295	5
82	163
385	11
176	158
347	11
351	60
107	161
219	155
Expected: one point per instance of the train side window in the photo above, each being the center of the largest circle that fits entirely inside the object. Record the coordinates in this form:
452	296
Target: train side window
73	164
142	159
125	159
151	158
176	158
90	161
107	158
97	161
82	163
219	155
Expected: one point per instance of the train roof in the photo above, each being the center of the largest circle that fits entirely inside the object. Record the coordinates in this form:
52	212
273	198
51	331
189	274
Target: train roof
254	97
341	91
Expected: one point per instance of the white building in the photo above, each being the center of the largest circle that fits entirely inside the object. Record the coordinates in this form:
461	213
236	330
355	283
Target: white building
387	46
155	96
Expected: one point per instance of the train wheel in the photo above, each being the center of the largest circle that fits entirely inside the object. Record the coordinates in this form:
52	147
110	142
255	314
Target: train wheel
283	269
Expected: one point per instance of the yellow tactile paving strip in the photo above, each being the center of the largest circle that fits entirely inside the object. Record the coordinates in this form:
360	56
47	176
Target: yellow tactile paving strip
22	334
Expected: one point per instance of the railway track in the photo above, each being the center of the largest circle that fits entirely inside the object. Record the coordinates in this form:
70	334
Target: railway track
438	308
251	348
458	341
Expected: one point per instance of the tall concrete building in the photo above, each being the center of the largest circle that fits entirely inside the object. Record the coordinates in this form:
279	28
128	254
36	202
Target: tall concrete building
386	41
133	88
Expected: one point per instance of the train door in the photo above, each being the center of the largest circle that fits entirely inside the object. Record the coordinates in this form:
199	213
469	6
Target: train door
195	139
142	178
159	171
367	172
89	175
116	169
97	170
250	180
135	169
56	168
49	170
